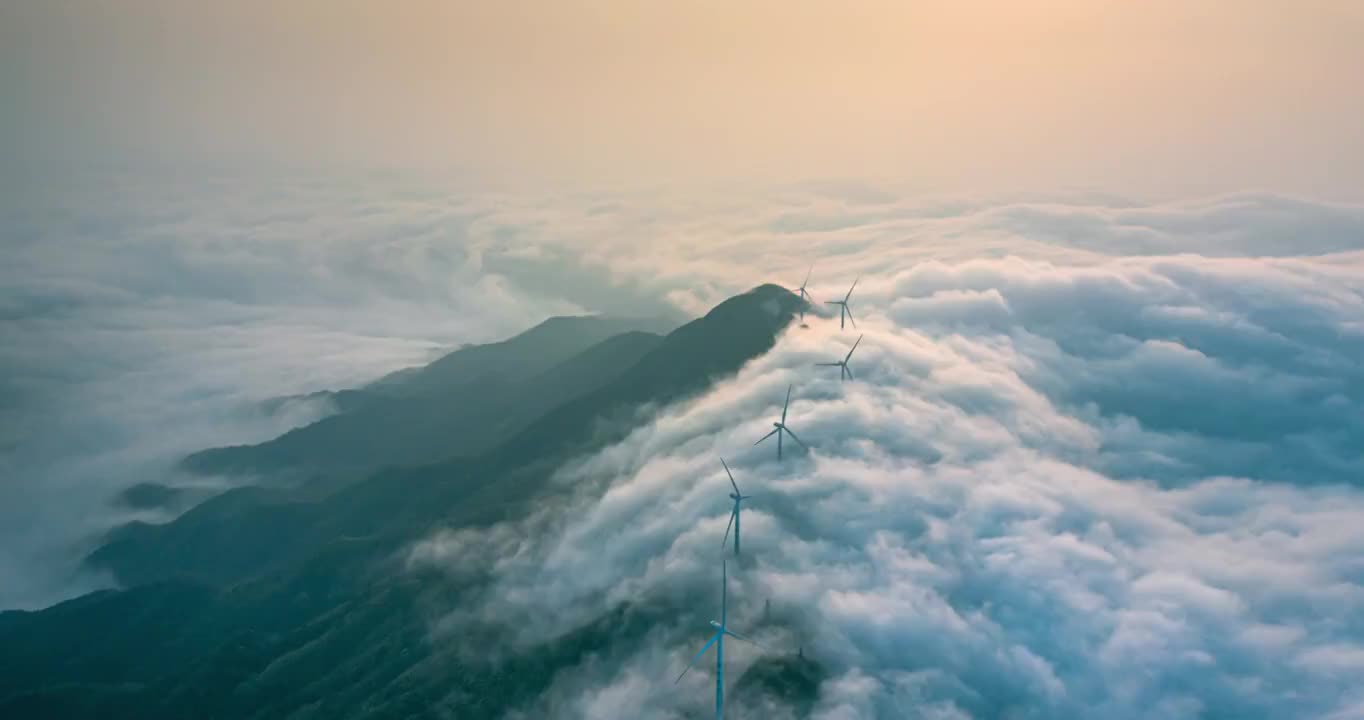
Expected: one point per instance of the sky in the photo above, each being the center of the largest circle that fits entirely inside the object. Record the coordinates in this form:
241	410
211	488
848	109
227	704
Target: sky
1103	455
1163	98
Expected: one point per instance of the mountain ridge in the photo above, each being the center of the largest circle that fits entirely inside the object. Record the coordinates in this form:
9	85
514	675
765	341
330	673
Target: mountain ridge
315	617
504	478
422	415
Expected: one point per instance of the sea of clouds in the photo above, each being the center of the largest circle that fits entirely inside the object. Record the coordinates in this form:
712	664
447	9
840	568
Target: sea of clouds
1100	460
1102	457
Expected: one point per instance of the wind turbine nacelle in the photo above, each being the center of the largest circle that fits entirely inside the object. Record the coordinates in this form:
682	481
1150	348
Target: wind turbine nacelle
776	424
734	496
716	625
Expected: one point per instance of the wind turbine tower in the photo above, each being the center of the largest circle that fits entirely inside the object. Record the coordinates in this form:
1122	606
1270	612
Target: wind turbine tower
804	294
718	640
779	428
844	311
738	498
845	372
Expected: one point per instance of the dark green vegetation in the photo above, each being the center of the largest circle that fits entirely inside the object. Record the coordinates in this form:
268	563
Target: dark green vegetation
794	679
462	404
270	602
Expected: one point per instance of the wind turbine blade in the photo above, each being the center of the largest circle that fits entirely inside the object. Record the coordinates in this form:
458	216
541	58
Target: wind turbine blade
850	373
827	364
732	513
746	639
850	317
793	437
787	404
710	642
854	286
833	302
854	347
774	432
807	276
731	477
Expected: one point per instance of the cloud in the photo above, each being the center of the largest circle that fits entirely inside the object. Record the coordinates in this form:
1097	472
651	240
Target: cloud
150	321
1120	486
1101	458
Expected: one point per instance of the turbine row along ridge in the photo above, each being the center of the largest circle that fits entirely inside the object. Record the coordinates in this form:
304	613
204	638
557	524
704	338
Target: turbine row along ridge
779	429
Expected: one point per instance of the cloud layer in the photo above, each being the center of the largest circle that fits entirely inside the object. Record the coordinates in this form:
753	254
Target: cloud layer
144	319
1066	484
1101	458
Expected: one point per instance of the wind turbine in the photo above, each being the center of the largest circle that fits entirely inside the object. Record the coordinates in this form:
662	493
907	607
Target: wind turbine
778	428
718	640
844	311
734	514
805	295
845	372
801	291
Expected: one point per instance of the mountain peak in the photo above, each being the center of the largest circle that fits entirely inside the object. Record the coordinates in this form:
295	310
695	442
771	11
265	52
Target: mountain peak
767	300
771	298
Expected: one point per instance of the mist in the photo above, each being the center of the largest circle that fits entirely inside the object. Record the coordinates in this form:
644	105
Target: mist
143	322
1162	99
1066	485
147	319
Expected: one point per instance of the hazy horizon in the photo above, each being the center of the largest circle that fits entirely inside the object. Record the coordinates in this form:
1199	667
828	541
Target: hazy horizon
1161	99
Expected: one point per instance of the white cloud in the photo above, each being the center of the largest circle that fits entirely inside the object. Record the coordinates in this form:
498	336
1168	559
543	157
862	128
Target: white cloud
1098	460
1117	487
144	320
